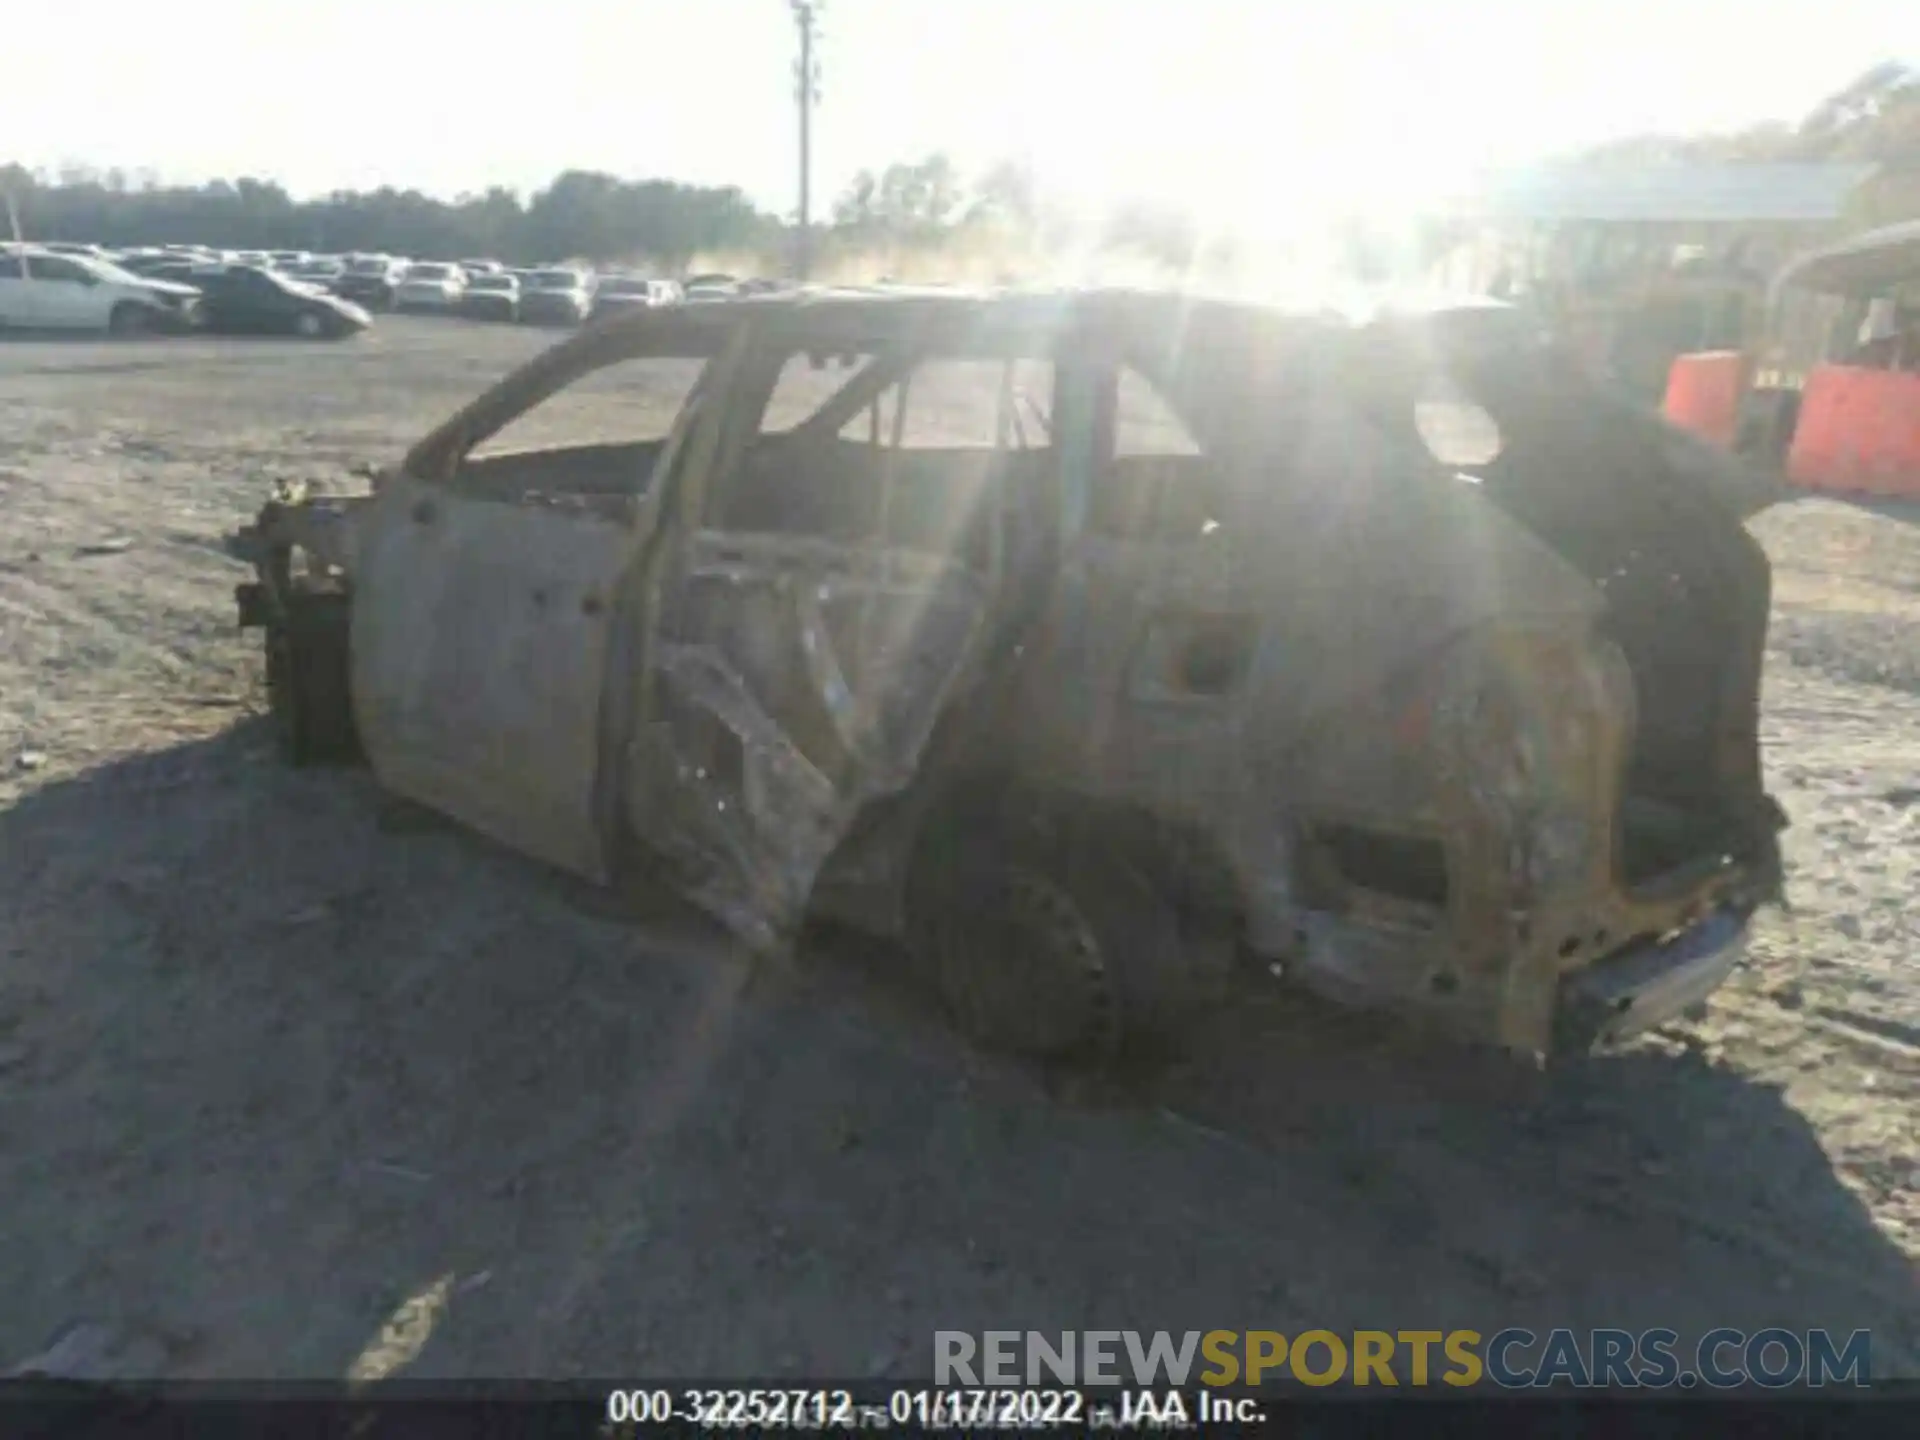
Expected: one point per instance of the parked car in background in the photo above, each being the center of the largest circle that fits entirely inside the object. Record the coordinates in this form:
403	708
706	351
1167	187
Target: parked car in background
259	258
43	290
283	260
491	297
73	247
556	297
707	291
147	262
370	280
188	272
249	300
616	294
430	286
482	267
322	273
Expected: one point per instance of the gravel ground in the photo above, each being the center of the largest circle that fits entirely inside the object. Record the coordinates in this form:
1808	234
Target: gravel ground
292	1086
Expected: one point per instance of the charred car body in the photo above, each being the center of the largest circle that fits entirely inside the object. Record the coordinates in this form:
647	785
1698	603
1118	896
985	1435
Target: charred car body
1091	643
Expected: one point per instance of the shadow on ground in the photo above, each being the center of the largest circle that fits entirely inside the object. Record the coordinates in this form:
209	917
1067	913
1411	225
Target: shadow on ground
295	1093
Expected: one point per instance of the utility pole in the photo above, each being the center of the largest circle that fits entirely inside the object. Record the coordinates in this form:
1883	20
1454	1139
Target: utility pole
806	89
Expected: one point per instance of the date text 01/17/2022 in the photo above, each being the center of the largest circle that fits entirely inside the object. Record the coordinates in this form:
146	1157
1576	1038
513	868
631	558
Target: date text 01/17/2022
928	1408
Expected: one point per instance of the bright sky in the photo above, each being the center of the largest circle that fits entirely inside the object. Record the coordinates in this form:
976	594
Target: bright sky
1277	102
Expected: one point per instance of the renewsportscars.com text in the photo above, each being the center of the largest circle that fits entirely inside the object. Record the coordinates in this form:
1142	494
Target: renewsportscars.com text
1511	1358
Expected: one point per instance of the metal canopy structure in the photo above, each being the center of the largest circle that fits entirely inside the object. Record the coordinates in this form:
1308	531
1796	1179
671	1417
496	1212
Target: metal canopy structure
1860	267
1669	194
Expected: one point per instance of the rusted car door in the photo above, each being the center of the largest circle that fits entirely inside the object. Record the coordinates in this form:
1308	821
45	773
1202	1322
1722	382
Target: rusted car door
486	597
812	624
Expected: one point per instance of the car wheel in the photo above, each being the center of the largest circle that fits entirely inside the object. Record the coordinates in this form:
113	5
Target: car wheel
129	319
308	689
1051	950
309	326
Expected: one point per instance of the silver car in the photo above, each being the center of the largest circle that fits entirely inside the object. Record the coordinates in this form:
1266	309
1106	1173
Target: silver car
432	287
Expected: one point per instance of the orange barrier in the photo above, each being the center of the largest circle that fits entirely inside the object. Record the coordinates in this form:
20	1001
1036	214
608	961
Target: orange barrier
1703	394
1859	431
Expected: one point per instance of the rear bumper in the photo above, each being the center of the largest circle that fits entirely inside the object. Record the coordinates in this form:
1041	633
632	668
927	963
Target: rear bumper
1649	984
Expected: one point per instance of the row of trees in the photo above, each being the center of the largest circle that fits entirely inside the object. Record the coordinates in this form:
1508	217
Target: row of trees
1875	118
581	214
921	215
925	208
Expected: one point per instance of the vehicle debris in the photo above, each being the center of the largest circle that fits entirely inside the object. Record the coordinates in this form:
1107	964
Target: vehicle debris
1093	644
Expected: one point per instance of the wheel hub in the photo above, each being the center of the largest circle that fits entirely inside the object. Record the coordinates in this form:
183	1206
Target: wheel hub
1026	969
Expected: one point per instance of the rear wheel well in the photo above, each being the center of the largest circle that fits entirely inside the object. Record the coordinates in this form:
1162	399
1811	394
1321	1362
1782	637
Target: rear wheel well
1153	897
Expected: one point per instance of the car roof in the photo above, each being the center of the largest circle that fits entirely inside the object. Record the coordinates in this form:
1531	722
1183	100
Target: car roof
846	315
885	306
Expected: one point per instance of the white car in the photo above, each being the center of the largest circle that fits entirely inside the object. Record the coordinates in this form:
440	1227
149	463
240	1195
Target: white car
558	295
40	290
430	286
75	247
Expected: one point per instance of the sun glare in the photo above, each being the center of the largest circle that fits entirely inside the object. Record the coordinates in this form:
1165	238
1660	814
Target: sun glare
1263	135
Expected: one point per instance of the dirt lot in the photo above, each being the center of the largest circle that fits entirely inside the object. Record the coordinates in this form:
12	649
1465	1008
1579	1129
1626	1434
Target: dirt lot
291	1088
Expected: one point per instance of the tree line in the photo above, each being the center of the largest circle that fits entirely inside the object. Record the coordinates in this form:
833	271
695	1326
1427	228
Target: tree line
580	215
1873	118
920	213
923	207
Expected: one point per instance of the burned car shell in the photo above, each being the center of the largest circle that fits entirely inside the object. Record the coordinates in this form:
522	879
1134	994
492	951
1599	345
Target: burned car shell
1481	746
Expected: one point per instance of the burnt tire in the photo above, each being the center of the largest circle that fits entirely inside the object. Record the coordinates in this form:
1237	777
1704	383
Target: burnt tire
308	689
1054	950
